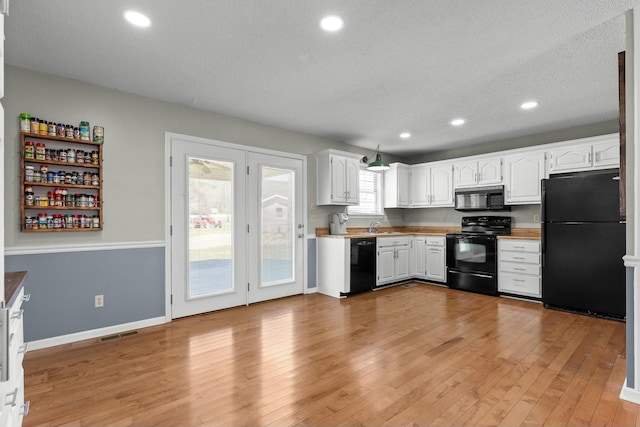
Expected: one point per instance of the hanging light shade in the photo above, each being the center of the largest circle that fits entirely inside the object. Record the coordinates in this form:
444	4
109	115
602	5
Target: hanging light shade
378	164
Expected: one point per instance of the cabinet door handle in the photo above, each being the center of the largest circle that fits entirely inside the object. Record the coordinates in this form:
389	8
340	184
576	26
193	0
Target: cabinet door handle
589	158
518	269
23	348
11	402
17	314
26	297
24	409
518	258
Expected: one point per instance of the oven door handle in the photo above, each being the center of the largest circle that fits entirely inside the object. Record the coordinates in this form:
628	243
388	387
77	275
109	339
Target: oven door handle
486	276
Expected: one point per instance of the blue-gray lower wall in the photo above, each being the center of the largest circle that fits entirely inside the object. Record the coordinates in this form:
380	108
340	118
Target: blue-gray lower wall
311	264
63	287
629	330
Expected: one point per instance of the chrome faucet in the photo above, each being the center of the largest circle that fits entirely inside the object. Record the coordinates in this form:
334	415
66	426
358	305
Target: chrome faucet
375	225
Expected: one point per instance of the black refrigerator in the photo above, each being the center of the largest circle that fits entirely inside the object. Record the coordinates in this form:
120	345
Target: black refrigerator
583	242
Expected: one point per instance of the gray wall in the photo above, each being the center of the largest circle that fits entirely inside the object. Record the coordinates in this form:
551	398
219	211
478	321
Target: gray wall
522	216
133	151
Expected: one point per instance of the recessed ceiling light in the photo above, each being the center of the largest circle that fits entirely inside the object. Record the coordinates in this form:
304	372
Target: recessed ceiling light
137	18
529	105
457	122
405	135
332	23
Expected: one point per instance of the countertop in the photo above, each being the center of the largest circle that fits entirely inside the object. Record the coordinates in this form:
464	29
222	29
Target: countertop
13	282
362	232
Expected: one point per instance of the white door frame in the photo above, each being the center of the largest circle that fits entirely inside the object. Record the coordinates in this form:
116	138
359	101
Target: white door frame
167	205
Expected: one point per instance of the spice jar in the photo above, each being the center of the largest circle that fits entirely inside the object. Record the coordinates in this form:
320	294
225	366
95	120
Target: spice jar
43	128
35	125
25	122
40	151
42	220
84	131
28	150
95	222
51	129
60	128
68	131
28	173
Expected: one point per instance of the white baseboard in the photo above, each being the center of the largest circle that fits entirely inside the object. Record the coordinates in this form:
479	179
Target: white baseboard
313	290
629	394
94	333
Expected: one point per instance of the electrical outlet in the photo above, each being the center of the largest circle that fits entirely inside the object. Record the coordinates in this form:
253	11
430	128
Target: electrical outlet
314	218
312	206
99	301
385	219
536	218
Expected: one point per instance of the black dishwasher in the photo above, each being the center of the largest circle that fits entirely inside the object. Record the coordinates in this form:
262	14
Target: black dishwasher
363	265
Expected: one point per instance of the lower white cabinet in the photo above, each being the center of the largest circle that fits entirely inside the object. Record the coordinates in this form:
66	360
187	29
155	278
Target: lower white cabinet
436	268
12	407
519	269
418	261
393	259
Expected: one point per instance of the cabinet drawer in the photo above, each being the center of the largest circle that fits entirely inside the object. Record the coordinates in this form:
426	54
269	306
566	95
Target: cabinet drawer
521	285
525	257
392	241
520	268
520	245
435	241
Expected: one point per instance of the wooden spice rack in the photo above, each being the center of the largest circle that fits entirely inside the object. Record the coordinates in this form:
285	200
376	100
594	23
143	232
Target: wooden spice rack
41	188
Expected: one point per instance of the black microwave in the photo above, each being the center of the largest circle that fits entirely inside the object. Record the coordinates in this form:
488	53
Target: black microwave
481	199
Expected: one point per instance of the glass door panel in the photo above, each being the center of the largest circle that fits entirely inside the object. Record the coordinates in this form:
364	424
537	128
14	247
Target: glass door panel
210	227
278	228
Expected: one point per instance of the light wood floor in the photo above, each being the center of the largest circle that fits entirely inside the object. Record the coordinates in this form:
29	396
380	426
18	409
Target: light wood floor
421	355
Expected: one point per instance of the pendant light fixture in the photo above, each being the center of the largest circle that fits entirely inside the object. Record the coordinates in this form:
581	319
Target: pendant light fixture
377	164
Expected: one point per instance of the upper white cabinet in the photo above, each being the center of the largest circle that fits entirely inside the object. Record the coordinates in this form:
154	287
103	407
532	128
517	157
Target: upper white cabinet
522	175
420	185
483	171
397	189
590	154
338	178
431	185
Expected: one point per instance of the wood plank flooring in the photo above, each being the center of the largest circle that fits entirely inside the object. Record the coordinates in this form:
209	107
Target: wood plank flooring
403	356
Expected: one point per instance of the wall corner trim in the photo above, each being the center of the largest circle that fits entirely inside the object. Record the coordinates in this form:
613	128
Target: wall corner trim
629	394
631	261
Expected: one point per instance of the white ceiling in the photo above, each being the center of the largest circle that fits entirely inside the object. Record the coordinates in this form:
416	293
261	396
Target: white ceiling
397	65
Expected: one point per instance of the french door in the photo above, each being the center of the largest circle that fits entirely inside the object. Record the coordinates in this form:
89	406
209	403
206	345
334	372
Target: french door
234	218
275	210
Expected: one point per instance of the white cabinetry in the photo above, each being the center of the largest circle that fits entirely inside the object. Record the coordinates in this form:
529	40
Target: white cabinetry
393	259
590	154
12	406
435	259
338	176
483	171
519	270
418	262
333	261
523	173
396	186
420	186
431	185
